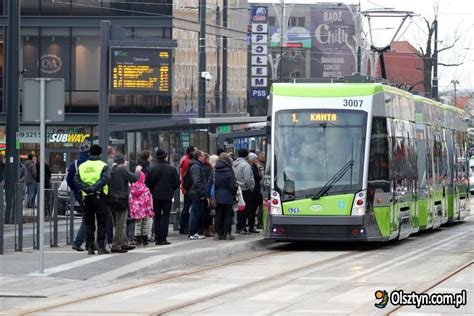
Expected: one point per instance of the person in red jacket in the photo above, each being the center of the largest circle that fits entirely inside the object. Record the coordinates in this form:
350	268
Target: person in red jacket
183	167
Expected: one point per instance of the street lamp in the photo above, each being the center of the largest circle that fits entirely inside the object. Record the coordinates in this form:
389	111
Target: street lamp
454	82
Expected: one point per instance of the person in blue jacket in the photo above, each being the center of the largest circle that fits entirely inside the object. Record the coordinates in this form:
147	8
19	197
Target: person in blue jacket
225	189
71	173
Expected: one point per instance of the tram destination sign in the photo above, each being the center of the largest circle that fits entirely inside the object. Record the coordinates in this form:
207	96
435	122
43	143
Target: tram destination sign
136	70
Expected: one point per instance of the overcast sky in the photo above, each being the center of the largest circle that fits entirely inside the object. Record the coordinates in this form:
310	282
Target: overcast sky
456	18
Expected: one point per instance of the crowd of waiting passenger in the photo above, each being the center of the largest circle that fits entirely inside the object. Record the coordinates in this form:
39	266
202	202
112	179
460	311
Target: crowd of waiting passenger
130	201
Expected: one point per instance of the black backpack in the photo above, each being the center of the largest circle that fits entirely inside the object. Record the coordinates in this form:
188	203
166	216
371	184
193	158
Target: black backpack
187	180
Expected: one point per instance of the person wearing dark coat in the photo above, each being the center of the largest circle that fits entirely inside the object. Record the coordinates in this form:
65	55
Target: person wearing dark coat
225	189
2	169
206	218
92	180
197	193
71	173
48	207
163	181
144	159
119	182
256	194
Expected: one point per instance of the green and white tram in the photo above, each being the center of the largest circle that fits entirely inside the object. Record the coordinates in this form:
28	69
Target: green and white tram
361	161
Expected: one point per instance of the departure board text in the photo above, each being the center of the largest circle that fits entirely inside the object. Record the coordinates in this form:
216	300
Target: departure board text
140	71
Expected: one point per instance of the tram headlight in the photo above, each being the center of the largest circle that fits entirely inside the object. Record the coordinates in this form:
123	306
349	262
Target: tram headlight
275	203
359	205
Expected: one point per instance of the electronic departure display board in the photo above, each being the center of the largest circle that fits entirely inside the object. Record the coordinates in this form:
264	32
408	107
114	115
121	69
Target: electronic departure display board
136	70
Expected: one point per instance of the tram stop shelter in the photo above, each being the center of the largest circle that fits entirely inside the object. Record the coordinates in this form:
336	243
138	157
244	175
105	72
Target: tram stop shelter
175	135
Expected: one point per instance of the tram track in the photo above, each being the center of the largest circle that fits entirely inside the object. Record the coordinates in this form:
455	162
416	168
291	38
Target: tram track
250	284
297	271
167	277
439	281
319	265
66	302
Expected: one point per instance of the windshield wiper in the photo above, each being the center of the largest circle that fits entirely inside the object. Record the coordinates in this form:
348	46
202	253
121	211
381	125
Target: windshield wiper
331	182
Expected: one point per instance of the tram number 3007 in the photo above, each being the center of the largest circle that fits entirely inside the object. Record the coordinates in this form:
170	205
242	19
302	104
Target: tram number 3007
352	103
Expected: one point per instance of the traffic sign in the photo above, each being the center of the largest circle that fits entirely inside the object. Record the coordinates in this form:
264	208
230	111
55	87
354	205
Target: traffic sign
54	99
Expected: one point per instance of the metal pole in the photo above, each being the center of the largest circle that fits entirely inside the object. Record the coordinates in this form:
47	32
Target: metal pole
454	82
202	58
224	58
72	201
12	106
434	88
36	236
1	220
359	59
104	87
19	215
55	218
282	37
42	171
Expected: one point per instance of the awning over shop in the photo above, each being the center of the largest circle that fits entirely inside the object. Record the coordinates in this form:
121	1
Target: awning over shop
186	123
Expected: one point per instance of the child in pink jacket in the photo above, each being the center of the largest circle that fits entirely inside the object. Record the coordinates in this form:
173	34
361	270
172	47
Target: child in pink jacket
141	208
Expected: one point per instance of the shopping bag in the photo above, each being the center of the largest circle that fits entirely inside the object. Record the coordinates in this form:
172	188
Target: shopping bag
241	203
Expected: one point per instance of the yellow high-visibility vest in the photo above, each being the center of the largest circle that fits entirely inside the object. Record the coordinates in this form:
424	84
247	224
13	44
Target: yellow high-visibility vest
90	172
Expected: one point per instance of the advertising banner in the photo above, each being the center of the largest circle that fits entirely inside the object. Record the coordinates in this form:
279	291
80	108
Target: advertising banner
297	37
333	44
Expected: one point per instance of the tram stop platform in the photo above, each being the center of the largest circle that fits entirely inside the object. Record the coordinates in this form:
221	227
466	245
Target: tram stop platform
64	267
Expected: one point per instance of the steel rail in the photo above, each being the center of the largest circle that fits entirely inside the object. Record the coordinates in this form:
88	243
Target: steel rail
442	279
182	274
249	284
142	284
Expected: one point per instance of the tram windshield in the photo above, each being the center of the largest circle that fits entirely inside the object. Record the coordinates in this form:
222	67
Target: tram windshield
311	146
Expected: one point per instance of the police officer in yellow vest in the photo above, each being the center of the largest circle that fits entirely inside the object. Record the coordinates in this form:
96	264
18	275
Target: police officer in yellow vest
91	180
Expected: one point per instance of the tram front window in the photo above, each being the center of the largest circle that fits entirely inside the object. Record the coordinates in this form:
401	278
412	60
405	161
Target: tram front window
311	146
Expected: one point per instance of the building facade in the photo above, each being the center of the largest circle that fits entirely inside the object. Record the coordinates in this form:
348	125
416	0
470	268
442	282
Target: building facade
61	39
309	41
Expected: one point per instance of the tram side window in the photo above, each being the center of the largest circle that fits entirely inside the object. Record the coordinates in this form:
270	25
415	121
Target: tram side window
437	158
379	156
412	157
401	161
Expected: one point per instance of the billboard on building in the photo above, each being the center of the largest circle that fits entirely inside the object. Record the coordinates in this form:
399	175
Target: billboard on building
333	45
298	37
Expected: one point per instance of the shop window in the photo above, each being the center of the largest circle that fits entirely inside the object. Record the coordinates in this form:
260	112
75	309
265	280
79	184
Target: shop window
85	100
112	8
86	7
62	7
29	7
156	32
85	61
55	57
145	7
30	56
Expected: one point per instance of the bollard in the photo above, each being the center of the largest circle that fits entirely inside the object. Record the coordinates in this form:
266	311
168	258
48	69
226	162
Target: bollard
55	216
2	214
72	201
18	207
37	220
177	208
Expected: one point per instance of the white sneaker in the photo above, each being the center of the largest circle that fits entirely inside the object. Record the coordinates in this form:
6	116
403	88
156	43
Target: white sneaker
196	237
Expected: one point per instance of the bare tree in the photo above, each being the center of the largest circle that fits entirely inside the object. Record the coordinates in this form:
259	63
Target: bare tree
428	55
